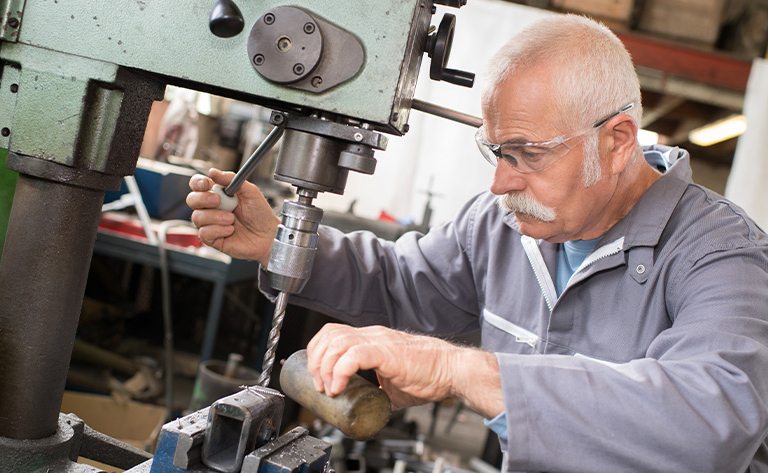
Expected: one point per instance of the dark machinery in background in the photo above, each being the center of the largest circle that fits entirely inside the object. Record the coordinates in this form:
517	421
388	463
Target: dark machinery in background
78	79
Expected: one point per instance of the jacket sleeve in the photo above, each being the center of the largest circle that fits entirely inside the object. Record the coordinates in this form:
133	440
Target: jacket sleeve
697	402
419	282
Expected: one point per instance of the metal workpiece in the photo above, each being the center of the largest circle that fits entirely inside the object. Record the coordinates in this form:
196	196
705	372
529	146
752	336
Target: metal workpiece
44	268
292	46
360	412
293	452
239	424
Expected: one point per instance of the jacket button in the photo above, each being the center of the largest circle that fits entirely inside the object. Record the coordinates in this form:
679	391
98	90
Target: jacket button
640	269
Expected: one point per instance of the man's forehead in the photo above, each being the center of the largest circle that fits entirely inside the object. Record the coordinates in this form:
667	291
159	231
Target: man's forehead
523	101
512	123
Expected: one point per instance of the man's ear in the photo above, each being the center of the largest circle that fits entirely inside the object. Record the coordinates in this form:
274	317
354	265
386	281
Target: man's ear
620	137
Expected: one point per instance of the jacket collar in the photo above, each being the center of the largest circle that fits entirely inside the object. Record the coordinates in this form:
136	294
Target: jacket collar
646	221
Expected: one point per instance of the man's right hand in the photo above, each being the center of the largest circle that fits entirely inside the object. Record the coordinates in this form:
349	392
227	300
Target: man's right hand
245	233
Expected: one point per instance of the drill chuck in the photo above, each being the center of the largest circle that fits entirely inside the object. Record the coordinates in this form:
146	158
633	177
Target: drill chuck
294	246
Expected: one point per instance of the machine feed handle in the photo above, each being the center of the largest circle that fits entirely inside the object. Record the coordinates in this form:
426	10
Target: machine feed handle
457	77
228	198
438	47
228	202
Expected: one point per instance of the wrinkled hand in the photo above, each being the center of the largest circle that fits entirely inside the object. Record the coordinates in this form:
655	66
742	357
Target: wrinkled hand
412	369
245	233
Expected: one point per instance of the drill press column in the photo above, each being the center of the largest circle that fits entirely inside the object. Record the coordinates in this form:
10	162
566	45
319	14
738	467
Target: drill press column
72	136
43	274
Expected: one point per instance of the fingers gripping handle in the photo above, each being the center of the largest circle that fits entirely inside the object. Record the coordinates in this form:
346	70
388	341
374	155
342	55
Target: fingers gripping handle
228	202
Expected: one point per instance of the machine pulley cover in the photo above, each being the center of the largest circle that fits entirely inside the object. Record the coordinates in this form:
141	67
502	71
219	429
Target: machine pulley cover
293	47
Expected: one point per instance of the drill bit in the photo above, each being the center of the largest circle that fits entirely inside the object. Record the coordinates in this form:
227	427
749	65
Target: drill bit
274	337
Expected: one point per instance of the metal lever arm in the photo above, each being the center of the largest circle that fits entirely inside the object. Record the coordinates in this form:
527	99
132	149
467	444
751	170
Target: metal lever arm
228	197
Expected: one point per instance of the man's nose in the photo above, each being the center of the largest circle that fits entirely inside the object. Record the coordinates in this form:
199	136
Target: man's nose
507	179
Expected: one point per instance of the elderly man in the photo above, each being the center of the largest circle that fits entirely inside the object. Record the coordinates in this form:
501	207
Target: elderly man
623	308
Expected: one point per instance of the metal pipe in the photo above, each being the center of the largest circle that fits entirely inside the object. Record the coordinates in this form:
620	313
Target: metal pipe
360	411
43	273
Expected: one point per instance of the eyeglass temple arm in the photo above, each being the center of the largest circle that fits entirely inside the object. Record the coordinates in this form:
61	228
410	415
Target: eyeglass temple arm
625	109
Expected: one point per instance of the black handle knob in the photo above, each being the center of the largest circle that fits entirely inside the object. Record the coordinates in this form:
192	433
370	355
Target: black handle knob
226	20
462	78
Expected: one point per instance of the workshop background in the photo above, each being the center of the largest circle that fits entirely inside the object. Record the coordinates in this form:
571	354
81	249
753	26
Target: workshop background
701	63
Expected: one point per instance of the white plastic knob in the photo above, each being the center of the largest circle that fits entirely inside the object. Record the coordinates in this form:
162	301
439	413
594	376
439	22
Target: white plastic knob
228	203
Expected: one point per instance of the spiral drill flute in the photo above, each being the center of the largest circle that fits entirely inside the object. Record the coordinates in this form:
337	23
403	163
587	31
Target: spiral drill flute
274	337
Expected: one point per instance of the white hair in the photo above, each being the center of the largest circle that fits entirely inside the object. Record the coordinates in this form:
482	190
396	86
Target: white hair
592	72
591	165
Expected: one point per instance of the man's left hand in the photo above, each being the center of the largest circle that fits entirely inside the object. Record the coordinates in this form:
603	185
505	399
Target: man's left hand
412	369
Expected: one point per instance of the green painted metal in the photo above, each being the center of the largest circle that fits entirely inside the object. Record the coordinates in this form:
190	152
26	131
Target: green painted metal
11	13
100	125
50	104
7	187
171	37
9	75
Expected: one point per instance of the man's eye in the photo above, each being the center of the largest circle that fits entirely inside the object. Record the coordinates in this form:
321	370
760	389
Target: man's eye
513	160
533	155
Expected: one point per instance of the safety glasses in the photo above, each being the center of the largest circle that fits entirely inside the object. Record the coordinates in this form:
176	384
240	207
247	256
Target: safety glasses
535	156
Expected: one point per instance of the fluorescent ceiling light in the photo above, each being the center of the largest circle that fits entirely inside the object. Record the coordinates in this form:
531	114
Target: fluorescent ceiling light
647	138
718	131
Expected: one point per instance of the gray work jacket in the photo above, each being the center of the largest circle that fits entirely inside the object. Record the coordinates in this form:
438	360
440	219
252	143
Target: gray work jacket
653	358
